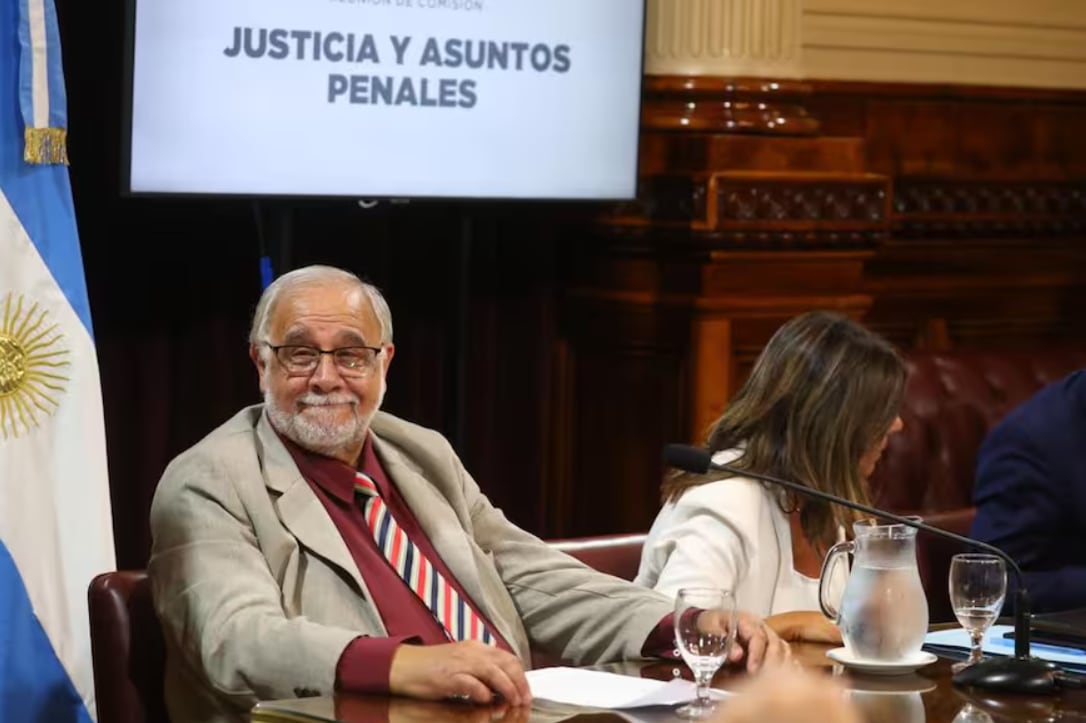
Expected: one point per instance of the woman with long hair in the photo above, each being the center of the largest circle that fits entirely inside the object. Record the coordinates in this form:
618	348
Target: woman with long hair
817	408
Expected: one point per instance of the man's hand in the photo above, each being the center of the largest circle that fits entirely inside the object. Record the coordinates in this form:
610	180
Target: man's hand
467	671
754	639
806	625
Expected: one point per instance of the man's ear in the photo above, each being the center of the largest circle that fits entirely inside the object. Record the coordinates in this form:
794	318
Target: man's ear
261	365
389	352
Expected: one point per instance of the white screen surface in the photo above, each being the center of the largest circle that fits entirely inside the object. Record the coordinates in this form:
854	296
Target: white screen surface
393	98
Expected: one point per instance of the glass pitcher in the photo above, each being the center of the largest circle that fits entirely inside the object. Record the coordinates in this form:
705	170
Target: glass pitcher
883	611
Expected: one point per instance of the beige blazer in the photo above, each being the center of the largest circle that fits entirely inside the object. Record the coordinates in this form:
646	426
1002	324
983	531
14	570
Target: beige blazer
258	594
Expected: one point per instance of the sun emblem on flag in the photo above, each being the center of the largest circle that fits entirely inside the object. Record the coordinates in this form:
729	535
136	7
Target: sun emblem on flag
33	362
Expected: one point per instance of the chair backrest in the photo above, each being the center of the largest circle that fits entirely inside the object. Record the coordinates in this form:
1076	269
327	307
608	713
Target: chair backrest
952	400
618	555
127	649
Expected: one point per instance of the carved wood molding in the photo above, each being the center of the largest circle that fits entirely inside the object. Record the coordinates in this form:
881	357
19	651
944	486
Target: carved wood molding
736	210
750	211
830	202
970	209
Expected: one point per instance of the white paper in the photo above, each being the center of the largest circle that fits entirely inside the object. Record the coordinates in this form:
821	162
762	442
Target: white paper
996	644
599	689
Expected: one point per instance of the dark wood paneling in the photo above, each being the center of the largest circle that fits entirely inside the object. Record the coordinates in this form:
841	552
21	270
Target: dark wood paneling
958	132
636	394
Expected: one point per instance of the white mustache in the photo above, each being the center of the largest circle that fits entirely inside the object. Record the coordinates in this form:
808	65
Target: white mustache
312	399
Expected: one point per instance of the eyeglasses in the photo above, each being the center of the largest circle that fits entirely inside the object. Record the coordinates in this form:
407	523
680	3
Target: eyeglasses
352	361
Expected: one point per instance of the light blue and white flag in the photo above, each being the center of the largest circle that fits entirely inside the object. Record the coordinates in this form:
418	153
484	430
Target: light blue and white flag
55	520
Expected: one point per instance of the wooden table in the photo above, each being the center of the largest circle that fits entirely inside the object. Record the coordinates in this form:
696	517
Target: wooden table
926	696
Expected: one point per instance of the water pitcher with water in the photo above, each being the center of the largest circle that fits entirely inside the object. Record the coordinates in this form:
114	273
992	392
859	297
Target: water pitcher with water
883	612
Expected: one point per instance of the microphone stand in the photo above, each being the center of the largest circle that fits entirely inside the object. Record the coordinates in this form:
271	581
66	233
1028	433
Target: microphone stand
1019	674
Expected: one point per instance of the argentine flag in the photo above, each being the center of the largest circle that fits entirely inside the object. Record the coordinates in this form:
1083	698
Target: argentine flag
55	520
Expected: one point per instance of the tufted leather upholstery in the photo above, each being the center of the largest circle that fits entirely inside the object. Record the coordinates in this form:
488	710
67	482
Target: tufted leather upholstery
127	649
951	401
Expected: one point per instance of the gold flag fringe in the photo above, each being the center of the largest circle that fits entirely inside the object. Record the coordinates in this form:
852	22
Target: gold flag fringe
46	146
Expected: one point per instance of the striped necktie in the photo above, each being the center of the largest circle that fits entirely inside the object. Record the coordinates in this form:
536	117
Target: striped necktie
456	615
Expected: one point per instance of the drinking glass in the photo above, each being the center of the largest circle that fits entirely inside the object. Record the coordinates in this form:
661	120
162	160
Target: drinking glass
703	651
978	584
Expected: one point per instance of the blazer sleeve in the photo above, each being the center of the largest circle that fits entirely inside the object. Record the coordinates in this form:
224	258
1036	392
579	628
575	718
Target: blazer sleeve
1021	509
218	602
711	542
567	608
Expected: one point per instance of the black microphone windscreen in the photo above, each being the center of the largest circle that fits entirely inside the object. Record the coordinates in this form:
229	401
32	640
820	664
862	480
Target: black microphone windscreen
687	458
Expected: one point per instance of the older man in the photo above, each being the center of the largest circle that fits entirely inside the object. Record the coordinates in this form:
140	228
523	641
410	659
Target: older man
313	543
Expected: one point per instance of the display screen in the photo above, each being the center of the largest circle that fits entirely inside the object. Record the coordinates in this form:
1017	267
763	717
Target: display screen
520	99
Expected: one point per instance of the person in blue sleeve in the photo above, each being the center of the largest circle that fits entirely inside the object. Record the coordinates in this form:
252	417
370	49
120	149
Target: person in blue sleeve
1030	492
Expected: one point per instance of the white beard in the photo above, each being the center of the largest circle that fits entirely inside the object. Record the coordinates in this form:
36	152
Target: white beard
310	431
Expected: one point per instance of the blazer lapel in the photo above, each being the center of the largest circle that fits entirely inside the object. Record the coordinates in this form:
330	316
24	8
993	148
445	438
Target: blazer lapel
435	516
300	510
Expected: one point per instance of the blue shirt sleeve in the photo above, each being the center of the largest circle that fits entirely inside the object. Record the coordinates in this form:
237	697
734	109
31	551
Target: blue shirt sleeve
1022	508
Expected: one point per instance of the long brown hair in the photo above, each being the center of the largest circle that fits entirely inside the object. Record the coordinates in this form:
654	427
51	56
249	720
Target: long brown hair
824	391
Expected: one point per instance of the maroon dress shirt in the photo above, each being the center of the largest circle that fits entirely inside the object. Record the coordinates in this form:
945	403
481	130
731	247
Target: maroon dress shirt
365	663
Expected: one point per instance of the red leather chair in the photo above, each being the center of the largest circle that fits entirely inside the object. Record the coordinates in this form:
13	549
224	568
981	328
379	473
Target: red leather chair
618	555
127	649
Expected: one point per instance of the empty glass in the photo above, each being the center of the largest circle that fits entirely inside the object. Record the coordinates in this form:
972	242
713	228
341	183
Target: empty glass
703	651
978	584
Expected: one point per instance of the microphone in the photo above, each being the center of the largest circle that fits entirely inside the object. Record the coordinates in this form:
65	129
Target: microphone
1018	674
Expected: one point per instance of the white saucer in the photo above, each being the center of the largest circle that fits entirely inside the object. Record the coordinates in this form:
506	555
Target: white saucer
875	667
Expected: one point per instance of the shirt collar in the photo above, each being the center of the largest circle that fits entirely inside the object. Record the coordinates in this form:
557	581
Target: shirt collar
332	475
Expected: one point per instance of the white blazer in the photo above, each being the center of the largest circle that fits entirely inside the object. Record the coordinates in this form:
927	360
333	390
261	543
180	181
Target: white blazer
730	534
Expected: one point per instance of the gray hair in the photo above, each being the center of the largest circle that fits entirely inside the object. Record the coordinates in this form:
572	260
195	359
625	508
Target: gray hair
314	276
